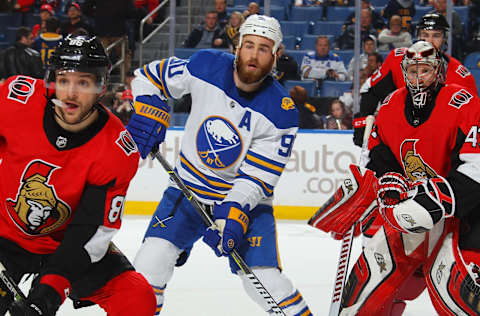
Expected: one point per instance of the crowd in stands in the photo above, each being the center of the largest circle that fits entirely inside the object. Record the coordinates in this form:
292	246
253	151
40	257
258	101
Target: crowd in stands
318	56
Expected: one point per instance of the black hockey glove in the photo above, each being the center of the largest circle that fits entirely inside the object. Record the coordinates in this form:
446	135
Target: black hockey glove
43	300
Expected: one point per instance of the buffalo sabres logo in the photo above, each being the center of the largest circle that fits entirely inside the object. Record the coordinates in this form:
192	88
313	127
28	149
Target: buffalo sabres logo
36	209
413	164
380	261
218	143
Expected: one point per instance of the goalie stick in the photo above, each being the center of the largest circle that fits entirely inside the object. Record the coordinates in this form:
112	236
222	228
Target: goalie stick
252	278
347	241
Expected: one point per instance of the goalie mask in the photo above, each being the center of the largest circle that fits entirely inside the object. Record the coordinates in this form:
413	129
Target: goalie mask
423	71
79	54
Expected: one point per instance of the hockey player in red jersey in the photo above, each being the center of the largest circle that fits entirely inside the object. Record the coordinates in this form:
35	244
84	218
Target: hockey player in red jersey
432	28
66	163
424	149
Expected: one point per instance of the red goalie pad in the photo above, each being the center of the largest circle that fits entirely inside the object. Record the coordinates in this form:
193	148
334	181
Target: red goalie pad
349	203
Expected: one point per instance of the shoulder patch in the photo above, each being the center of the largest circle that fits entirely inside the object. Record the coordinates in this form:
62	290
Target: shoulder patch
21	89
400	51
126	143
462	71
287	104
460	98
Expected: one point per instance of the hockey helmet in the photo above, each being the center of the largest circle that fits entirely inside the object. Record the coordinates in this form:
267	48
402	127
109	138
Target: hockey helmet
433	21
262	25
80	54
423	85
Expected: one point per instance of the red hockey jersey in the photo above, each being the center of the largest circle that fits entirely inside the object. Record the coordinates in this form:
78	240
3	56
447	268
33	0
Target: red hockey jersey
48	174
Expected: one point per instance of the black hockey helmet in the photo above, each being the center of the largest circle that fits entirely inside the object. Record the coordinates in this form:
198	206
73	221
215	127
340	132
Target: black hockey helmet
433	21
82	54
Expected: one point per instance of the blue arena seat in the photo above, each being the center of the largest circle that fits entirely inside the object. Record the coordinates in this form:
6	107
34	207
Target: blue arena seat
289	41
278	12
31	19
15	19
379	3
472	61
184	53
239	8
462	12
476	75
309	84
345	55
420	11
327	28
295	28
11	34
334	88
4	45
339	13
306	13
309	41
297	54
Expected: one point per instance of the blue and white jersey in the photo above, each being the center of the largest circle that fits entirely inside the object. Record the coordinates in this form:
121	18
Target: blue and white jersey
235	144
316	67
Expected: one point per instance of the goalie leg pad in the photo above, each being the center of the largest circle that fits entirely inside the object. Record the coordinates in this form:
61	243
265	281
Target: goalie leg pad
156	260
348	204
383	266
280	288
453	278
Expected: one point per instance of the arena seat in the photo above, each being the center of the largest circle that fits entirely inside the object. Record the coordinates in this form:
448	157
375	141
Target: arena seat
476	75
420	11
462	12
297	54
289	41
185	53
295	28
472	61
309	41
345	55
4	45
327	28
309	84
339	13
11	34
306	13
331	88
379	3
31	19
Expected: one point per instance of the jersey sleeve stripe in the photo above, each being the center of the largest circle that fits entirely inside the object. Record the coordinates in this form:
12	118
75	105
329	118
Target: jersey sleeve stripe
267	160
293	299
266	188
258	164
153	79
161	71
214	183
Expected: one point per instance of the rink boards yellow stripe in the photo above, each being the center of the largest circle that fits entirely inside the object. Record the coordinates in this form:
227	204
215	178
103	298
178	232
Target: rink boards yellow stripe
280	211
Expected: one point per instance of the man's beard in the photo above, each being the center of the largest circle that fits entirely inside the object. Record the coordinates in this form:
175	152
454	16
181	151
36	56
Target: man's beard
249	77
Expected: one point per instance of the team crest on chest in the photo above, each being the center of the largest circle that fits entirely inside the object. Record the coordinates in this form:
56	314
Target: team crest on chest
413	164
219	143
36	209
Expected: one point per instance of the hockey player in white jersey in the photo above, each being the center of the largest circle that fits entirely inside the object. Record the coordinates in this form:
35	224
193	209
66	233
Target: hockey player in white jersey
237	140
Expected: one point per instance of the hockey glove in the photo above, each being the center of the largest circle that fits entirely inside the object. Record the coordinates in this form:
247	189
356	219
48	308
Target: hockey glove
424	205
149	123
44	298
232	222
358	129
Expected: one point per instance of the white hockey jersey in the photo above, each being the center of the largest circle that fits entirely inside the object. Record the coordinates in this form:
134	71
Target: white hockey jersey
235	144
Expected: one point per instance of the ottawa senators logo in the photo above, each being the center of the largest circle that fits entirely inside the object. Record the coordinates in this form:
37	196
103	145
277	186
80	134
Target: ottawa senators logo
413	164
37	209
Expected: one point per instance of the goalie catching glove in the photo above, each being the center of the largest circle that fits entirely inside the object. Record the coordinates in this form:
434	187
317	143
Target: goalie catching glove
149	123
231	222
351	203
414	207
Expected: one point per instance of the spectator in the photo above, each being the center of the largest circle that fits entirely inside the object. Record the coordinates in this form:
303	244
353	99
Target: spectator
307	112
144	7
322	64
339	117
208	35
287	67
21	59
394	36
75	20
377	19
222	16
440	7
347	38
110	19
48	40
369	47
55	4
307	3
128	79
374	62
46	12
404	8
23	6
231	30
252	9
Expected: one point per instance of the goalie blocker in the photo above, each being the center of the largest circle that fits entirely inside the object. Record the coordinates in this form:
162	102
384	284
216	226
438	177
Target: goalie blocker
354	201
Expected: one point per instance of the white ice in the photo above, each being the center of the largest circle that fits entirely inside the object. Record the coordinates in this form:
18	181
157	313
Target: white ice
204	285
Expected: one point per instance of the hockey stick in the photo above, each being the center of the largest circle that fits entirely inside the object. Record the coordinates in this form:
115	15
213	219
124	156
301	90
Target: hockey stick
261	290
347	241
10	284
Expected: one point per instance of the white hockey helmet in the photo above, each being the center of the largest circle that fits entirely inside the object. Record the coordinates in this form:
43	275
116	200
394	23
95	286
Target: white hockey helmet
423	52
262	25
